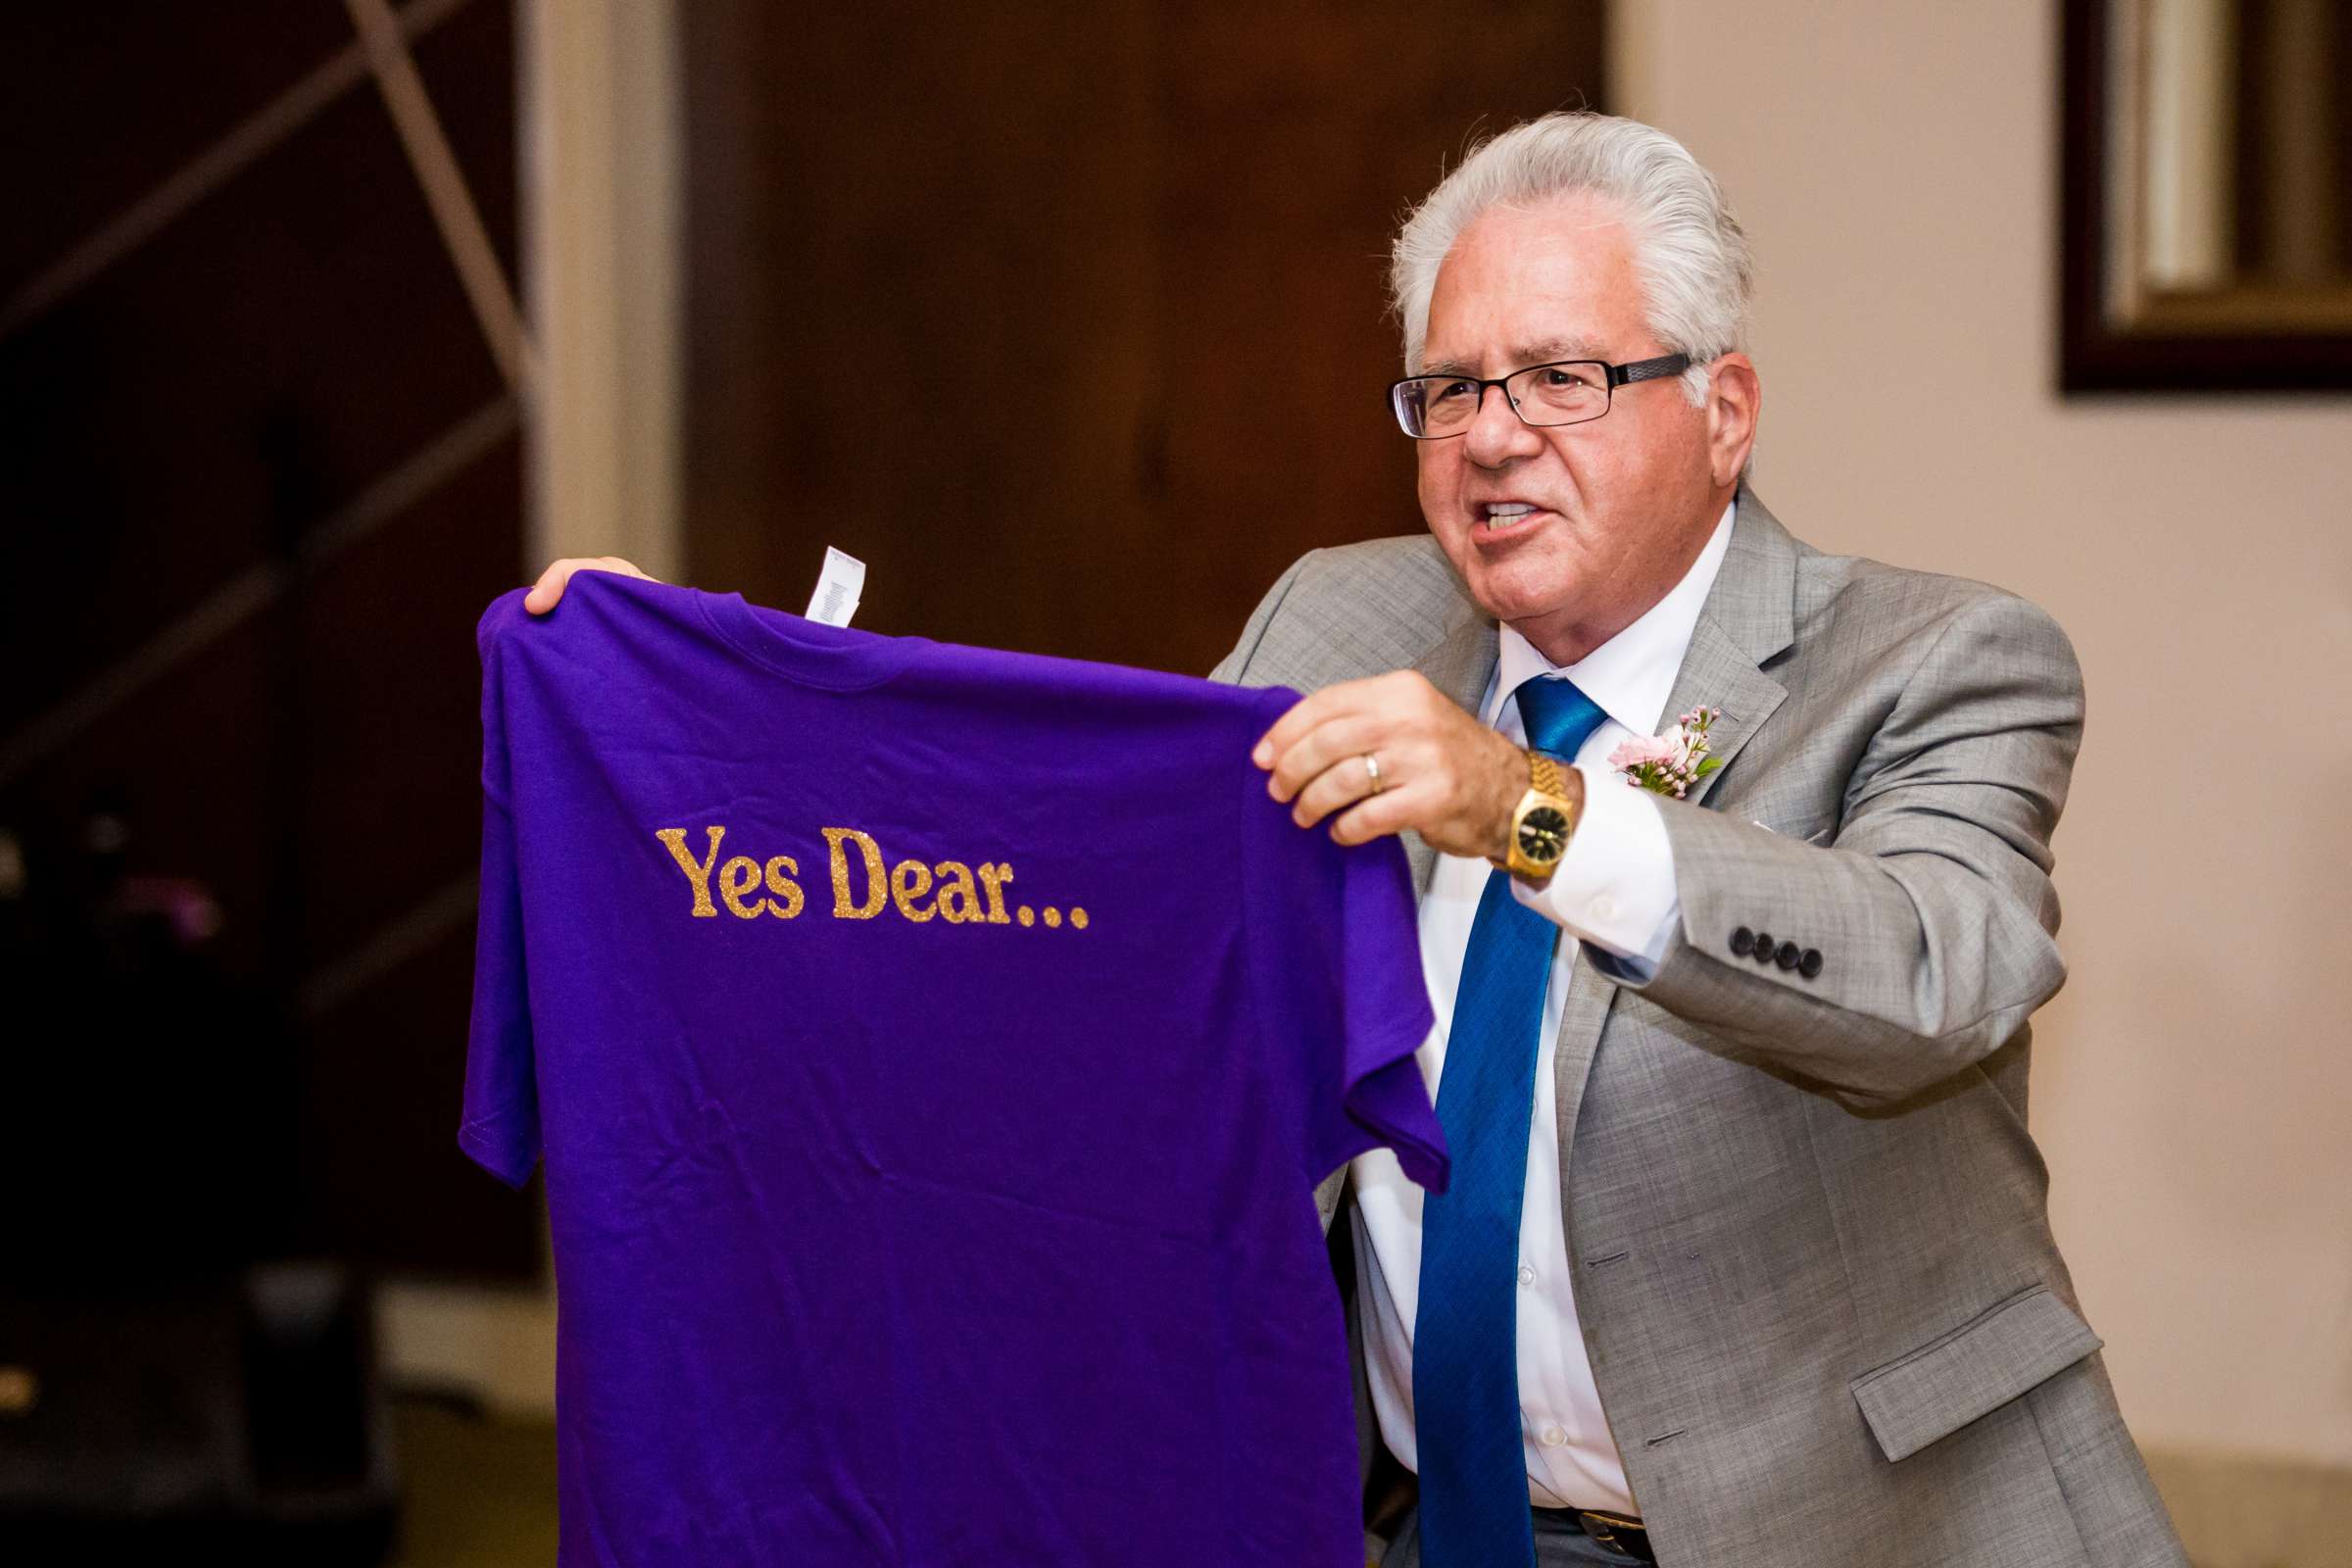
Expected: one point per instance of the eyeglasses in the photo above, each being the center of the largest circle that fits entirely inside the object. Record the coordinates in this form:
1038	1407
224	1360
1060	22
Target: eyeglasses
1438	407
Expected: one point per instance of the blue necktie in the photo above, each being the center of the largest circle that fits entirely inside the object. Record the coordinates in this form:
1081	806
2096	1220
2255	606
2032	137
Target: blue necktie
1473	1463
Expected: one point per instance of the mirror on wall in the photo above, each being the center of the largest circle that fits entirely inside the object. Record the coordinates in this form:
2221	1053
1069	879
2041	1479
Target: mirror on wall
2207	229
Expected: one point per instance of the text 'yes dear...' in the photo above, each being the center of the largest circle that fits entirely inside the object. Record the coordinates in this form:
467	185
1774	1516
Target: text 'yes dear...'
864	884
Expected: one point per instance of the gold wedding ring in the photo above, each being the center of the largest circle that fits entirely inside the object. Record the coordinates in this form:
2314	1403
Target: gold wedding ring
1372	772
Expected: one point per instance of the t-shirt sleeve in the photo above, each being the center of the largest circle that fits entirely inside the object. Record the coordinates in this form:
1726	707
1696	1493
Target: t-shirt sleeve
1336	971
500	1129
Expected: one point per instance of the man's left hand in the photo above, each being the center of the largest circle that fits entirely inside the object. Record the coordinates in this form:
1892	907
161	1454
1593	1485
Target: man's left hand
1441	772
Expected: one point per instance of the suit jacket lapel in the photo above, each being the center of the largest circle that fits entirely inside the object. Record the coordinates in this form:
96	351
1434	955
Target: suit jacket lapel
1750	614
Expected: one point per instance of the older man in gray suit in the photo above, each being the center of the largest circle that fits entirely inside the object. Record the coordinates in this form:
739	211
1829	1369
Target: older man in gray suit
1761	1275
1747	1261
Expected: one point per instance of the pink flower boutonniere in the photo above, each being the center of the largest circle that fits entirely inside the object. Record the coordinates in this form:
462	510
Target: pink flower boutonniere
1669	763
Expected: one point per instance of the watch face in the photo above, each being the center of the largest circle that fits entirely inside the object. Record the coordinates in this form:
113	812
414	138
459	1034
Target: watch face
1543	834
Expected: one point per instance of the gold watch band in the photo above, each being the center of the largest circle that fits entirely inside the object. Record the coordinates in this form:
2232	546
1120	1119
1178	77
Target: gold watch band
1545	776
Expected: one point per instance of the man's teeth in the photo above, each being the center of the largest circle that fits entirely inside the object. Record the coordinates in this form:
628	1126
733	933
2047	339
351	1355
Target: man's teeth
1503	513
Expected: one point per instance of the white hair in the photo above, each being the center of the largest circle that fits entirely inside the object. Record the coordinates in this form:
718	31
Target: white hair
1688	251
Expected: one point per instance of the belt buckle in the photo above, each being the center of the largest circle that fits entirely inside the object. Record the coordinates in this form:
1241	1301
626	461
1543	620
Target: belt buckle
1602	1528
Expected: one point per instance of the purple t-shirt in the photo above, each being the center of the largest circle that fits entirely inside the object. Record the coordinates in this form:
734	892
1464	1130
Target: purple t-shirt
933	1050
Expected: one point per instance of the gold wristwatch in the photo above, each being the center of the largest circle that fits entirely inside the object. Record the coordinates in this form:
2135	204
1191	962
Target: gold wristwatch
1541	824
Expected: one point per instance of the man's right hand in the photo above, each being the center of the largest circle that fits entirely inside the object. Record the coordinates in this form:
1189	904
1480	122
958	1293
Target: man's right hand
551	584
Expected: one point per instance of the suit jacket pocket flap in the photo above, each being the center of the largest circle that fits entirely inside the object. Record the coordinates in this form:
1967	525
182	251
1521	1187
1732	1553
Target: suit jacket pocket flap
1971	1371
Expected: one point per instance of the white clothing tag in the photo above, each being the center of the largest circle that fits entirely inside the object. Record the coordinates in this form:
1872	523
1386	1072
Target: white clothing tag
838	588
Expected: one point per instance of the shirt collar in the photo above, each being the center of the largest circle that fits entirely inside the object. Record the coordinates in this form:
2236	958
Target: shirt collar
1632	675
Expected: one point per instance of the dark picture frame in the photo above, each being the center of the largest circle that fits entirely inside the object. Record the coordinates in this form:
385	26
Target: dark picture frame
2113	337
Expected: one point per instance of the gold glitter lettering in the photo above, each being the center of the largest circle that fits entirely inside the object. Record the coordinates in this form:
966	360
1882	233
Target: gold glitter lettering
950	891
697	874
910	880
956	882
780	873
737	877
877	886
992	882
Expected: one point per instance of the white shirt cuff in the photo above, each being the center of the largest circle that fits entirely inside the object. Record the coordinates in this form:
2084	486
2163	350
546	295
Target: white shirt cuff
1615	886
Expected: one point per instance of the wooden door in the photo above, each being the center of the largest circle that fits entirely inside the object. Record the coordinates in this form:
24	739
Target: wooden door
1068	320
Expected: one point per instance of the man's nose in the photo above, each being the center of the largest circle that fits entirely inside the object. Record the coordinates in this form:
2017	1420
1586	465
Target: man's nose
1497	434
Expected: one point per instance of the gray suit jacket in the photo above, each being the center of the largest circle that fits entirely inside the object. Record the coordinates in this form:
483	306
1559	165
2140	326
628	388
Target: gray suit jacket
1806	1221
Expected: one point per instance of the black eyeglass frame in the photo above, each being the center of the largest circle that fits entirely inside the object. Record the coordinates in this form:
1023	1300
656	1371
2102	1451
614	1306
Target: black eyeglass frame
1663	368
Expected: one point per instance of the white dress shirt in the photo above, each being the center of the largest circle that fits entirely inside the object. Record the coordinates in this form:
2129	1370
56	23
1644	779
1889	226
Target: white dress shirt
1614	889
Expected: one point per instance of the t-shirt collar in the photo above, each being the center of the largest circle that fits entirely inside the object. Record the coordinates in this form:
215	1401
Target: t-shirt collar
1632	675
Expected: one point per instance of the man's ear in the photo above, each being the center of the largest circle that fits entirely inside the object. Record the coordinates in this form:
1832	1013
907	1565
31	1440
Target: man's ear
1735	398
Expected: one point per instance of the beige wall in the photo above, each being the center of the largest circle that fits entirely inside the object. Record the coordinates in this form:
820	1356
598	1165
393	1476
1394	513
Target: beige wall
1895	164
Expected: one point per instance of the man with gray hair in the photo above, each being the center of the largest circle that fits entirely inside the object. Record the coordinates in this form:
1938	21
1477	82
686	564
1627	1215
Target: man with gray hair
1746	1258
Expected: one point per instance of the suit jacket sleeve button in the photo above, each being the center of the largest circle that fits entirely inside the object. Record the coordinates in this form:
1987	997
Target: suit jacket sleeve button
1744	942
1788	955
1810	965
1763	947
